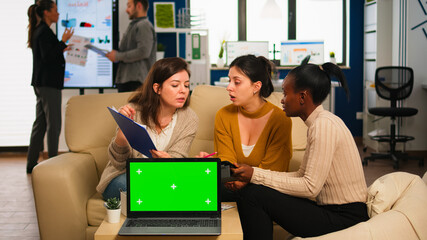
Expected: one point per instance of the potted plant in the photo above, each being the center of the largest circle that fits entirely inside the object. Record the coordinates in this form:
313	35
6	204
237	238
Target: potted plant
332	57
113	210
160	51
220	62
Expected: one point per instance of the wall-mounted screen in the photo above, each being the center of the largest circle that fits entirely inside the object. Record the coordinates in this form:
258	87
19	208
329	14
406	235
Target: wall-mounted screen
94	23
293	52
235	49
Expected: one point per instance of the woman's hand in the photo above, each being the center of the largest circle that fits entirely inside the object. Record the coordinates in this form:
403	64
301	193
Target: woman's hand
129	112
159	154
69	47
202	155
235	185
68	33
243	172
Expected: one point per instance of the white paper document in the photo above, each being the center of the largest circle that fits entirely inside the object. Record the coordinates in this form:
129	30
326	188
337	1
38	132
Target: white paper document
78	53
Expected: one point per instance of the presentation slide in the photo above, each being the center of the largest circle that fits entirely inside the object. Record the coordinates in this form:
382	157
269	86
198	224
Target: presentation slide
235	49
92	21
293	52
175	186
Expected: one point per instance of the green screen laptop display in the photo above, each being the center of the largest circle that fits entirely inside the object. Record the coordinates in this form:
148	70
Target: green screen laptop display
173	186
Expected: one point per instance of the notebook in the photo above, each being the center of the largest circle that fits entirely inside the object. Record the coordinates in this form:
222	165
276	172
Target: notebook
173	197
134	132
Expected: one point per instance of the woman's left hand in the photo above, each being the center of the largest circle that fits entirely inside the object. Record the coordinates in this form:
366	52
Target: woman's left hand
235	185
159	154
202	155
243	172
69	47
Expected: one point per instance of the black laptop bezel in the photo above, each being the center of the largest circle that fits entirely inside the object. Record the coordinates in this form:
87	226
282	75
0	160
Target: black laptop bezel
174	214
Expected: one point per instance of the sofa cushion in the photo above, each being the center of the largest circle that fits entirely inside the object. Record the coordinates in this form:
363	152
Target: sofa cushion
299	134
413	204
86	128
100	155
391	225
425	177
95	210
386	190
206	101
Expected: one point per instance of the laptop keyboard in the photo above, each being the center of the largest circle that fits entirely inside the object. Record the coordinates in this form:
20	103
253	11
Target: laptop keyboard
171	223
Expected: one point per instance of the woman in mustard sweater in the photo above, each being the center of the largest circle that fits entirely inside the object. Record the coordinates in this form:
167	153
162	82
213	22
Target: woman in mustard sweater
331	171
252	130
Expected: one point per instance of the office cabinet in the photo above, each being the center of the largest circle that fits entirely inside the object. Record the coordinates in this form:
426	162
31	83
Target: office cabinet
377	53
196	52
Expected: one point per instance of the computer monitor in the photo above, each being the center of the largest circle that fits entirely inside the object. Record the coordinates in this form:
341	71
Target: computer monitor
235	49
96	22
294	51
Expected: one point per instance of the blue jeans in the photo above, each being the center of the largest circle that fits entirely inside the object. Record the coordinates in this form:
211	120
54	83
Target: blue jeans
113	189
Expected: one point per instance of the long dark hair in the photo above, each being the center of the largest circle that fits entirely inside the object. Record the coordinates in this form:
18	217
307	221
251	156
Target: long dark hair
35	15
317	80
257	69
148	101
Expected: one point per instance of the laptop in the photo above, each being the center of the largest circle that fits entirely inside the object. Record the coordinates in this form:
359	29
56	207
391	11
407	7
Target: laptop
173	196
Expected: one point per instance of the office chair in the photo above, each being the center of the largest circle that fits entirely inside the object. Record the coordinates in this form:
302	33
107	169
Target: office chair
394	84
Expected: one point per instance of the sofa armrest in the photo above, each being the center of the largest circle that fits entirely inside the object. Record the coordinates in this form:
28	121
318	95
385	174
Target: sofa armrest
62	186
391	225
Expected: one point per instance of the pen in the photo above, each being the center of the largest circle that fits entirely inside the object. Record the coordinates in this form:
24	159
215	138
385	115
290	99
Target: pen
210	155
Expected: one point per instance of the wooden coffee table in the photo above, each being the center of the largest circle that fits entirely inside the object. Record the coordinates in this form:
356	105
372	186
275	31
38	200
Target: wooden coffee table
230	229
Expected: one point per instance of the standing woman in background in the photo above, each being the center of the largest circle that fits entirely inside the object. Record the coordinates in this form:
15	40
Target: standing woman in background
47	79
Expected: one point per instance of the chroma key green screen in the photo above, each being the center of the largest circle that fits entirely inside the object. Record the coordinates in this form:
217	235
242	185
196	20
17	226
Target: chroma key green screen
173	186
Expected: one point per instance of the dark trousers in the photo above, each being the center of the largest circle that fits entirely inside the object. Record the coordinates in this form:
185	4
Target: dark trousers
48	120
259	205
227	195
128	87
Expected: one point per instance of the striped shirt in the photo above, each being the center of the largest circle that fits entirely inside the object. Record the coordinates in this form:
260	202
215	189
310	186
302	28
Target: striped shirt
331	171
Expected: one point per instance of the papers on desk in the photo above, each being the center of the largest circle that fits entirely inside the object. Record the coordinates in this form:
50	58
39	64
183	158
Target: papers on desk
225	206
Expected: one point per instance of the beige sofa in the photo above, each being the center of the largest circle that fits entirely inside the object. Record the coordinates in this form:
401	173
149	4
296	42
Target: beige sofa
68	207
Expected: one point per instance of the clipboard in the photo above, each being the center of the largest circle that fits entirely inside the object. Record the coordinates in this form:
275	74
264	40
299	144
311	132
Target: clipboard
135	133
100	51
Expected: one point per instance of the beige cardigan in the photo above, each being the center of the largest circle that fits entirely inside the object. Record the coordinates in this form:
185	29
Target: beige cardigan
179	146
331	171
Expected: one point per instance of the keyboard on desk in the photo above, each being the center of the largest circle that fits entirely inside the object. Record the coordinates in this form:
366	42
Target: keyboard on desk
172	223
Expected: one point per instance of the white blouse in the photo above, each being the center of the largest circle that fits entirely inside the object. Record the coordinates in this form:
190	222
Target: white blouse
162	139
247	149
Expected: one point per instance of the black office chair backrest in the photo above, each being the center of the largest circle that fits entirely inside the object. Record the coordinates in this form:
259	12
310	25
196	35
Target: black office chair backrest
394	83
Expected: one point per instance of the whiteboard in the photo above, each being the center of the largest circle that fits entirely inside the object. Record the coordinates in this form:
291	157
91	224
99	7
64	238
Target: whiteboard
235	49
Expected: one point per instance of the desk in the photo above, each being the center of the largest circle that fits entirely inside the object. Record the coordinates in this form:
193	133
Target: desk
230	229
277	84
329	103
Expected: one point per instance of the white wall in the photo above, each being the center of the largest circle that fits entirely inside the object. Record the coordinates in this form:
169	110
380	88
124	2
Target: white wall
417	58
17	99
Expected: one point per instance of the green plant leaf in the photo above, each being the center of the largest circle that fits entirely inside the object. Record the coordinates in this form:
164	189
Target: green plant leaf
112	203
